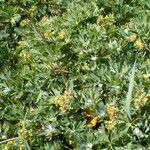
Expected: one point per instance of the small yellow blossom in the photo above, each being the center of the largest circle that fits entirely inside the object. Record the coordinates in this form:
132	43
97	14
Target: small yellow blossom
44	19
22	123
85	67
93	122
71	142
47	34
16	100
139	44
24	22
140	99
110	124
62	35
112	110
6	148
22	147
63	101
105	20
58	67
25	55
23	133
30	134
10	143
132	37
32	110
146	76
33	8
22	44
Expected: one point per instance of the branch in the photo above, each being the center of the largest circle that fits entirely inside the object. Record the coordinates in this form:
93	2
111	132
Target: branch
11	139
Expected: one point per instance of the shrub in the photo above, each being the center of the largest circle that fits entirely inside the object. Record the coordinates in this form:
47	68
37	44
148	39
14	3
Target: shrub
74	74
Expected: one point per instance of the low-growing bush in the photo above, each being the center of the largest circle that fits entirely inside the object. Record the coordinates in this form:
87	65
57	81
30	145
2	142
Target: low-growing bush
75	75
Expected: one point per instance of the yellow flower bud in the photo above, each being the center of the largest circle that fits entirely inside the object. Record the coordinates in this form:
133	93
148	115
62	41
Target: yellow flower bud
9	143
146	76
110	124
24	22
132	37
62	35
25	55
112	110
21	147
93	122
44	19
33	8
47	34
139	44
30	134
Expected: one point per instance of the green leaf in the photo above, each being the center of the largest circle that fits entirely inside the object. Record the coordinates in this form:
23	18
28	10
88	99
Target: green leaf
27	147
129	94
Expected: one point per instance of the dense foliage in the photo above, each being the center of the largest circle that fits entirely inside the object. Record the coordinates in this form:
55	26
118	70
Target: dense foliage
74	74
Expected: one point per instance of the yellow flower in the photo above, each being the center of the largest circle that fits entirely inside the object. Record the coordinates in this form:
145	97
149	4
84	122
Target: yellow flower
22	44
44	19
47	34
85	67
105	20
71	142
110	124
139	44
62	35
93	122
25	55
6	148
141	99
112	110
68	94
23	133
146	76
24	22
22	147
32	110
33	8
22	123
10	143
30	134
63	101
132	37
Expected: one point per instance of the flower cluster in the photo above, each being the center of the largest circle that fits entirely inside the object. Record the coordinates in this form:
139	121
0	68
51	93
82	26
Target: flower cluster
106	20
139	44
23	133
132	37
137	41
63	101
141	98
112	111
24	22
62	35
25	55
